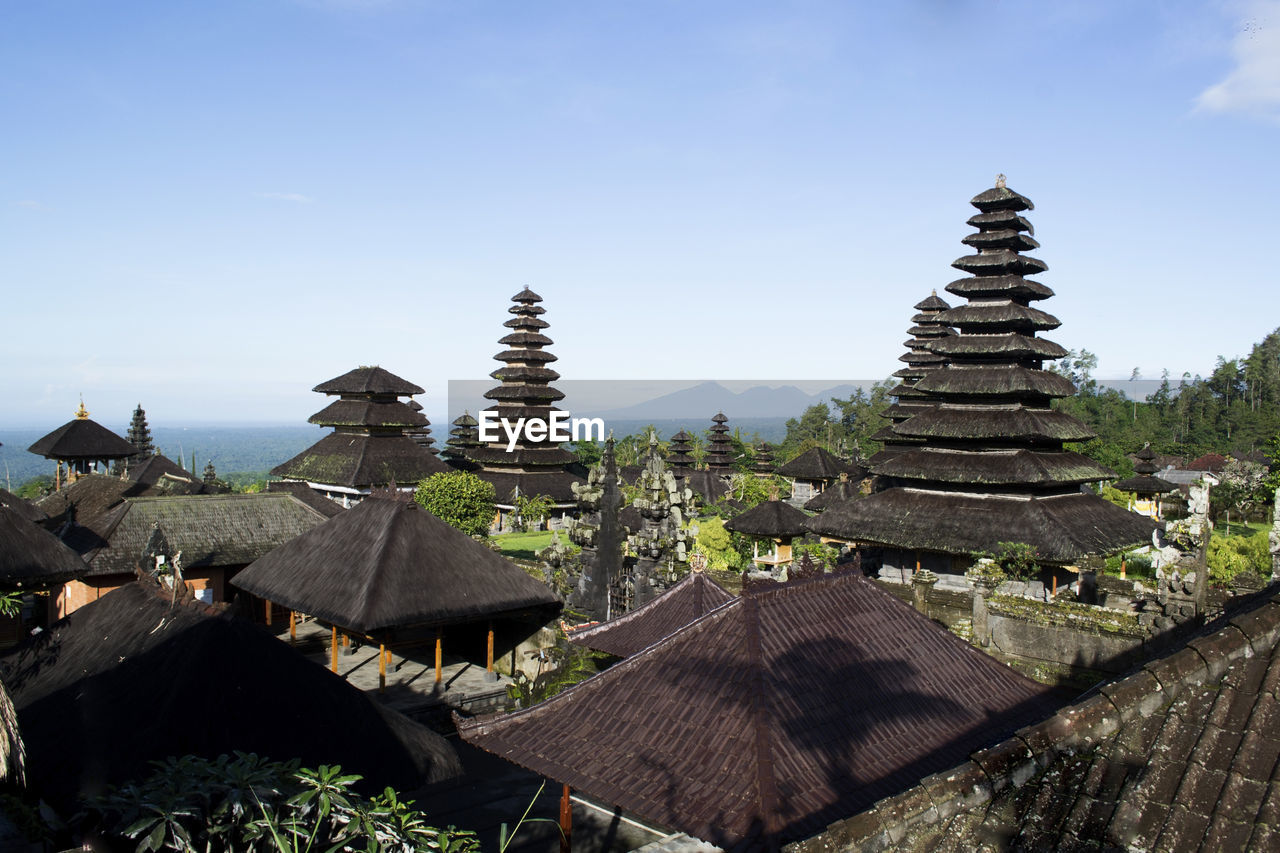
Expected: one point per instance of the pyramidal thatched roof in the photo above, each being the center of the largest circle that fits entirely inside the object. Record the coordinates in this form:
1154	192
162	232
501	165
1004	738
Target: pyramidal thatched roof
655	620
82	439
771	518
31	556
773	715
132	678
388	564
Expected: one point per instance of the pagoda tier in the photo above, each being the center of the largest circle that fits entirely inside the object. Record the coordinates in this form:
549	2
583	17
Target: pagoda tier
421	434
679	458
532	467
921	360
985	452
463	437
372	443
763	465
1145	483
719	457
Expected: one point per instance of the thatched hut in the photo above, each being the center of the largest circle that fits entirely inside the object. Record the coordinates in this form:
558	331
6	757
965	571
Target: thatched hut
1145	487
534	466
990	465
774	714
82	444
369	447
777	522
690	599
814	470
390	571
140	675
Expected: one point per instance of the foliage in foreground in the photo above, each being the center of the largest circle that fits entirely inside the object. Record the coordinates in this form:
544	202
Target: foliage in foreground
460	499
249	804
1015	559
1230	555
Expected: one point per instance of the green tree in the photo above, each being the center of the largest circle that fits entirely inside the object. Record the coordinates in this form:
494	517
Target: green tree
460	499
716	542
533	511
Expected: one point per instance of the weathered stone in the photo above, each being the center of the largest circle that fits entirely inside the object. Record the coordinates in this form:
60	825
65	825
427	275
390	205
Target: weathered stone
1140	693
1220	649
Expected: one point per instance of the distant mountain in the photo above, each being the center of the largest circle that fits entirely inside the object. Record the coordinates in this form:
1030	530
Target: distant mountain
702	401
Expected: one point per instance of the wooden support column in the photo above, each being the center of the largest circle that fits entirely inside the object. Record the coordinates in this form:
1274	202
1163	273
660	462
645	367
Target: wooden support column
293	627
488	657
333	648
346	641
566	821
382	668
439	655
268	610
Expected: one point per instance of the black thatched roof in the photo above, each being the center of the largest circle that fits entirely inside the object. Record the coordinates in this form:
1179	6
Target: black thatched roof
709	486
556	484
368	413
771	716
307	495
1145	484
1009	422
369	381
157	469
87	498
838	492
31	556
1062	528
360	461
1011	467
82	439
773	519
209	530
655	620
129	679
1013	381
818	463
391	564
23	507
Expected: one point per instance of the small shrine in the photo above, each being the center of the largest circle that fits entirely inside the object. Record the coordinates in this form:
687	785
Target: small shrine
1144	487
83	445
814	470
463	437
763	465
776	523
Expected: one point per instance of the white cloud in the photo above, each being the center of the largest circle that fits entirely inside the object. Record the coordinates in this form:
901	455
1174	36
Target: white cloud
297	198
1253	86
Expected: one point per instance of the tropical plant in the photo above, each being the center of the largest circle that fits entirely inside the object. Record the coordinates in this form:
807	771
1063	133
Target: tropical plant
533	510
458	498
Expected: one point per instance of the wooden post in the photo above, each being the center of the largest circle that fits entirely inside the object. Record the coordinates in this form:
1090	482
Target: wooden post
293	627
268	604
439	655
566	822
917	561
382	668
333	648
1122	568
1055	584
488	658
346	641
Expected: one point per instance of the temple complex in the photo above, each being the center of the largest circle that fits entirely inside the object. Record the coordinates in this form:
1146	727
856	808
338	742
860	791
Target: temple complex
534	466
990	466
369	447
920	361
82	445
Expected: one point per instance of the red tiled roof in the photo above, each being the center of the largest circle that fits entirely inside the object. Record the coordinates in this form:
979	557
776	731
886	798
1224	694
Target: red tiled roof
772	715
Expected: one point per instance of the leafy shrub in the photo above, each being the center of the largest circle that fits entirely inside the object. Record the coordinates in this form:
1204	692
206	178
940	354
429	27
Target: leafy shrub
1015	559
460	499
1231	555
249	804
714	541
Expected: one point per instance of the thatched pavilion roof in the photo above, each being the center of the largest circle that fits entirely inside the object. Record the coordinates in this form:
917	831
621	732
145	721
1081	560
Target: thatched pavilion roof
31	556
23	507
818	463
1061	528
771	716
82	439
692	598
369	381
388	564
837	492
132	678
359	461
772	519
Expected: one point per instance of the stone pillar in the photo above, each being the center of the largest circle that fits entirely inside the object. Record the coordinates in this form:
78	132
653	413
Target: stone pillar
986	578
1275	539
921	585
1087	588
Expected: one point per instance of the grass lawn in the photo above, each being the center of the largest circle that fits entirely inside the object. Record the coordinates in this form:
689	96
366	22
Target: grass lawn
525	546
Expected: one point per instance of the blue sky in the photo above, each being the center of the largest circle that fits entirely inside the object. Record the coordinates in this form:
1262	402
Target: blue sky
211	207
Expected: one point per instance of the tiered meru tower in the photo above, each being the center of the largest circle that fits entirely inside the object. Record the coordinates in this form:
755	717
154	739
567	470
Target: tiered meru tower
369	447
990	465
719	448
532	467
920	360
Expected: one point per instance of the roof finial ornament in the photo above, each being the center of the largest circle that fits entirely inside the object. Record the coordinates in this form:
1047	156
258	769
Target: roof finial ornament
1000	181
82	414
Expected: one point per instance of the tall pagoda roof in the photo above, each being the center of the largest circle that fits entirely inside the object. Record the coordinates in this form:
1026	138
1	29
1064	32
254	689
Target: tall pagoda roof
359	461
690	599
388	564
979	455
82	439
772	519
133	678
771	716
369	380
368	413
31	556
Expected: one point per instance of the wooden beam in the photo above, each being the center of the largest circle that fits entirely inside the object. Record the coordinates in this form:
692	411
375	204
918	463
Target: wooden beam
382	668
566	821
293	627
333	648
439	655
488	657
267	602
